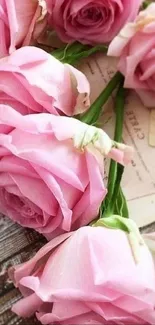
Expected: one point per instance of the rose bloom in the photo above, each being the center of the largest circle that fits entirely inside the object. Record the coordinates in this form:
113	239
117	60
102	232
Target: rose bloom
21	22
48	180
135	48
90	21
33	81
87	277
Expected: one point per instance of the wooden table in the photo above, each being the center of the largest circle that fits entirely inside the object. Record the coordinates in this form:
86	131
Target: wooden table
16	246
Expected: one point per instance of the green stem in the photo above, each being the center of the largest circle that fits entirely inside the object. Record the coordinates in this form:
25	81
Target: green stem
120	101
119	173
115	170
93	114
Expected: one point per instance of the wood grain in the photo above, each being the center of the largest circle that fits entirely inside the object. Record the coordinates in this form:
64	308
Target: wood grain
17	245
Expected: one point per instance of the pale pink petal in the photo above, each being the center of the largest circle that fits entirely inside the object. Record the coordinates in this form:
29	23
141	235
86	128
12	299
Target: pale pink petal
55	189
88	206
66	90
12	164
81	85
39	191
121	40
135	48
4	38
16	273
123	154
27	306
104	284
22	18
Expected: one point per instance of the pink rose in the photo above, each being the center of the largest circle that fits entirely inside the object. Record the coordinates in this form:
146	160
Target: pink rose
90	21
50	179
87	277
21	22
33	81
135	47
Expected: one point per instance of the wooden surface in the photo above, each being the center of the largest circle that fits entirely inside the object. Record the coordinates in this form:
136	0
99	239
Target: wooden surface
16	246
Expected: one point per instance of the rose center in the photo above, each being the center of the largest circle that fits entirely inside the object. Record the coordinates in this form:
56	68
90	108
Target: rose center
93	14
20	204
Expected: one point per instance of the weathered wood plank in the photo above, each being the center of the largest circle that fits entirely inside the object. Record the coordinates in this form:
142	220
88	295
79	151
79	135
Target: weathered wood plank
17	245
148	229
7	316
5	284
14	239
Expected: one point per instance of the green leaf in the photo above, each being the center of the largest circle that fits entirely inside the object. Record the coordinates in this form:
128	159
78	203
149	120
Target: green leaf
129	227
84	54
145	4
70	49
115	204
121	207
113	222
72	53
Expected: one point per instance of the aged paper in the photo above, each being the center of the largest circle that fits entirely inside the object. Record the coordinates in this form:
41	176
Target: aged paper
139	177
152	128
